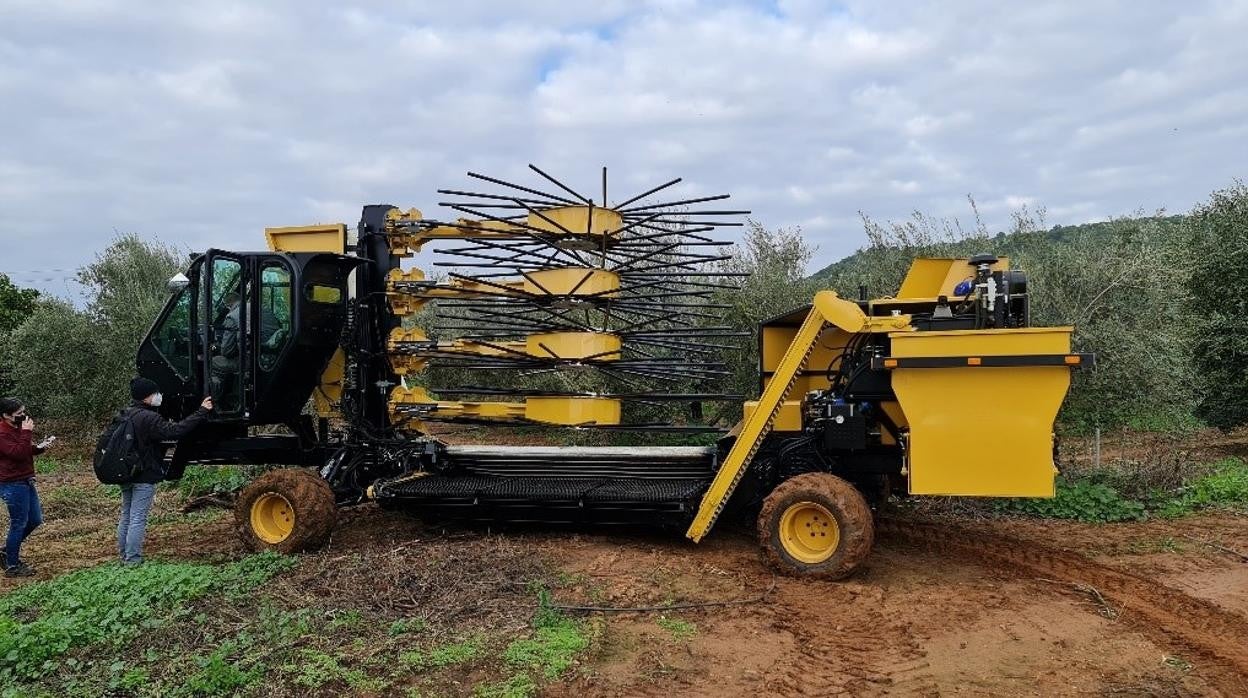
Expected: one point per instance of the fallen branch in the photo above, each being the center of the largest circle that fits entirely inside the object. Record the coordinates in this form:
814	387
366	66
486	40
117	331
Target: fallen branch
205	501
1107	609
664	607
1216	546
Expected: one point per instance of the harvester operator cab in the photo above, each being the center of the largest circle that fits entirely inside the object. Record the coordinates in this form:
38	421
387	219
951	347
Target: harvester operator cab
254	330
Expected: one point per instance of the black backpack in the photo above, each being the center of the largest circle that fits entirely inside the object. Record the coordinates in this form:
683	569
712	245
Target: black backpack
117	458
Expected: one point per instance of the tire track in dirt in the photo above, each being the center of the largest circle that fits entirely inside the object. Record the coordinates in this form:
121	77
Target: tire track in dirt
861	653
1164	614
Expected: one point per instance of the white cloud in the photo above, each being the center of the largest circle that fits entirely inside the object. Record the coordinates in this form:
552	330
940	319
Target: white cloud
204	122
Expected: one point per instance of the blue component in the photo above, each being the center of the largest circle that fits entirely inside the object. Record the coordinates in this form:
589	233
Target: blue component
964	288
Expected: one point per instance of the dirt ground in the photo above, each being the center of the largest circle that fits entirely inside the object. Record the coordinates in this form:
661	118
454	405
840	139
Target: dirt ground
918	620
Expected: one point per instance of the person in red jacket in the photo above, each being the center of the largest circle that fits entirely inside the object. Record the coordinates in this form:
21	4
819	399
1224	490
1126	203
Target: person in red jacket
17	482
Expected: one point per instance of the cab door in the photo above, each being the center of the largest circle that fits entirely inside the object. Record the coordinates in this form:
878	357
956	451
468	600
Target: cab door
224	306
169	353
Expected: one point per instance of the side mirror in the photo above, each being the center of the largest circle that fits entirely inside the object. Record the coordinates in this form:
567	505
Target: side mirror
178	282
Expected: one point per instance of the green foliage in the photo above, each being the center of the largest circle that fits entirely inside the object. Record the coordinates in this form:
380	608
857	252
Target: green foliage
200	480
1099	497
406	626
555	643
1081	501
451	654
515	686
680	629
1218	302
108	605
776	263
45	465
16	304
66	362
1226	486
317	668
216	675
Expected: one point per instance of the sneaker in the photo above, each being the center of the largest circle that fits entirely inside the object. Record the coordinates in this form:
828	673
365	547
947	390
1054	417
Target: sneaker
21	569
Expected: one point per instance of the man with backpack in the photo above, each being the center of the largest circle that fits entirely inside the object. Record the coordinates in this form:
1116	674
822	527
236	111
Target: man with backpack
145	452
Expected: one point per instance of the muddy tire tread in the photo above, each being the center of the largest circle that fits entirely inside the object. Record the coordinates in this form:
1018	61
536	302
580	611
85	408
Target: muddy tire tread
852	513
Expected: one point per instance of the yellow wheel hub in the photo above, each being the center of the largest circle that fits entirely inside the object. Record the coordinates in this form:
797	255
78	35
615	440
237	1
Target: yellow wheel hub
809	532
272	517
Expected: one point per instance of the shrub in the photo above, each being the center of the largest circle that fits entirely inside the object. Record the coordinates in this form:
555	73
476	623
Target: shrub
67	362
1081	501
1218	304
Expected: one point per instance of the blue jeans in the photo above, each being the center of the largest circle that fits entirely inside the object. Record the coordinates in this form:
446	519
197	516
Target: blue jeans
25	515
136	502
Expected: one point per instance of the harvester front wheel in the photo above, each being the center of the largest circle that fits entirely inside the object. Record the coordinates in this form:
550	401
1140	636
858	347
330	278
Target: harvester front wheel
816	525
289	510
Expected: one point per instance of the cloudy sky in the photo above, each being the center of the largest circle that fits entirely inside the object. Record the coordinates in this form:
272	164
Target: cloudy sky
202	122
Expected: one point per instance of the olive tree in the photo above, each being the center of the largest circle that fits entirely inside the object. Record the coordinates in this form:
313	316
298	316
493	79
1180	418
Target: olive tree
1217	252
76	362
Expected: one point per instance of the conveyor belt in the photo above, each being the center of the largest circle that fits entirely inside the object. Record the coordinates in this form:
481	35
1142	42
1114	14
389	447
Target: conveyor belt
644	485
557	500
658	462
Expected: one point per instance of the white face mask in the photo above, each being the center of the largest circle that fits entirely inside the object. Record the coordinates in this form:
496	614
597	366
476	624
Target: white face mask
156	399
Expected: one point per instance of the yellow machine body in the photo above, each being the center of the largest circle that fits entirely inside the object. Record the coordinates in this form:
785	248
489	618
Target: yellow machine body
963	444
330	238
974	409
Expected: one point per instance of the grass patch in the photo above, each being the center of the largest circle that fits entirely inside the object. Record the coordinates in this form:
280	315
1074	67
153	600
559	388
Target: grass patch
680	629
554	645
316	668
1098	497
109	605
515	686
407	626
451	654
73	500
47	465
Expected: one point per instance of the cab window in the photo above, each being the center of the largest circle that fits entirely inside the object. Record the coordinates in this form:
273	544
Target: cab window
275	314
172	337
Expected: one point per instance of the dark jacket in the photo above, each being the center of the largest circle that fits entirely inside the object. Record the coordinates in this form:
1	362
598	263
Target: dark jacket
17	454
151	431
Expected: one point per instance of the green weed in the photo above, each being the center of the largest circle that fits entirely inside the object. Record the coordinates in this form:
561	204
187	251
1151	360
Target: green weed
516	686
680	629
317	668
201	480
1096	498
108	605
216	675
555	643
345	619
407	626
46	465
1226	486
451	654
1081	501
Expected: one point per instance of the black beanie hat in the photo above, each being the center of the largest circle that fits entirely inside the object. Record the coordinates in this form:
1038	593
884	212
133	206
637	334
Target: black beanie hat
140	388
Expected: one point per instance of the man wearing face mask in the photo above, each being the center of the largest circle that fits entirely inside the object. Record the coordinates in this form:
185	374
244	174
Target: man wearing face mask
151	431
17	482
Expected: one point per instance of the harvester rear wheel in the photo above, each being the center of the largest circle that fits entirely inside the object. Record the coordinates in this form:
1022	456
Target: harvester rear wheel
289	510
816	525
